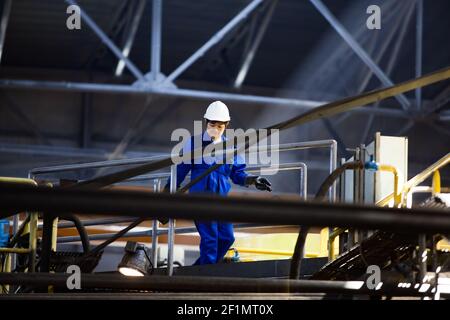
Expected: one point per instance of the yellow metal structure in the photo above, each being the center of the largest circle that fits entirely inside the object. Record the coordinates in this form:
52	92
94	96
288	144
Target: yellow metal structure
265	246
400	196
31	226
396	193
436	185
415	181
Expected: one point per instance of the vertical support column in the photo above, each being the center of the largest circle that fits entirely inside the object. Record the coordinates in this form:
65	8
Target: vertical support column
156	188
333	166
155	62
362	186
33	241
304	182
47	237
353	233
171	233
343	238
15	228
419	47
332	192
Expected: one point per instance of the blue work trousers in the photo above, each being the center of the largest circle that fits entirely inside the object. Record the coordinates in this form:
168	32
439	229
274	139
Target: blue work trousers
216	239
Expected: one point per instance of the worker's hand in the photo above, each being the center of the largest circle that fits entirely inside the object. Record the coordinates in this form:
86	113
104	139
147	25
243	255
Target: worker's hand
259	182
263	184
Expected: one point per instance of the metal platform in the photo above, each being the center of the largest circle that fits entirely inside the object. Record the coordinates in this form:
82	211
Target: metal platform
258	269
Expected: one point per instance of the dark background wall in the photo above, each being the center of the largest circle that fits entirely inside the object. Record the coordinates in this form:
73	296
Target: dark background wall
300	56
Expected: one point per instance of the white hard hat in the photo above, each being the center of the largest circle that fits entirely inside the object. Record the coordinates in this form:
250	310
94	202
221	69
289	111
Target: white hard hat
217	111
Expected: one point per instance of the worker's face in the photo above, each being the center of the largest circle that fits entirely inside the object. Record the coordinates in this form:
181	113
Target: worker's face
216	129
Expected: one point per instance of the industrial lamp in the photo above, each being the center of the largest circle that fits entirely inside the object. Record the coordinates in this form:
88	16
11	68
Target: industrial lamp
136	261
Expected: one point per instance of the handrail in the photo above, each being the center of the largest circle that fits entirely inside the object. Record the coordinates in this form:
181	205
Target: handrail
111	163
155	232
272	252
33	222
416	180
397	200
400	197
436	184
394	171
332	144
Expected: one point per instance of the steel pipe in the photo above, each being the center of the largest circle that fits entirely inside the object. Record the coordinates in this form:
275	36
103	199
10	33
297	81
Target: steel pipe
203	207
113	163
206	284
171	233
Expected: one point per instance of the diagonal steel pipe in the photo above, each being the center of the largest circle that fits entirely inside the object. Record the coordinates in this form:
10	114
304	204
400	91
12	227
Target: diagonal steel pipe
131	37
340	29
203	207
108	42
214	40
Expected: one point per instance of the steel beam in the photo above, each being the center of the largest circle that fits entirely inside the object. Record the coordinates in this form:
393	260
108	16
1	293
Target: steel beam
391	63
340	29
131	36
54	151
254	46
384	46
155	63
186	93
108	42
119	20
4	25
214	40
419	48
365	80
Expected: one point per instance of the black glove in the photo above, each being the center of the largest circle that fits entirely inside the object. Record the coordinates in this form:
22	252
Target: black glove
259	182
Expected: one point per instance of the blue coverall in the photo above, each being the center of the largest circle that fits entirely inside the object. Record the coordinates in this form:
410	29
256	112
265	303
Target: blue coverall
216	237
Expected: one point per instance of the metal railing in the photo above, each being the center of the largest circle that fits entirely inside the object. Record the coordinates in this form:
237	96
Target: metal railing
402	196
32	224
331	144
416	180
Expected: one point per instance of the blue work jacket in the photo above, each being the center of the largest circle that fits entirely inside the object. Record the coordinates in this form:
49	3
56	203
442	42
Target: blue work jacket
218	180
